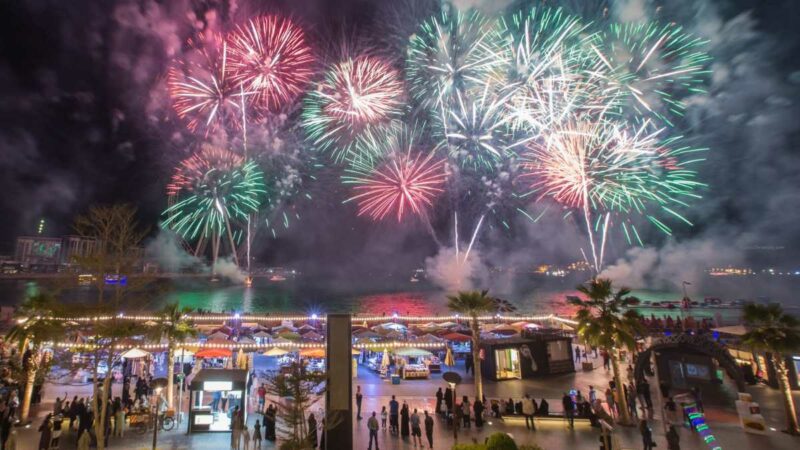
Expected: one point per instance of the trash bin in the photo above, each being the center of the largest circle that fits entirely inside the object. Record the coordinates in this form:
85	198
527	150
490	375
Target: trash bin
395	379
588	365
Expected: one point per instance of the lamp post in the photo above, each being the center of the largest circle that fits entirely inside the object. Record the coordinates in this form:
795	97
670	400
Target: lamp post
453	379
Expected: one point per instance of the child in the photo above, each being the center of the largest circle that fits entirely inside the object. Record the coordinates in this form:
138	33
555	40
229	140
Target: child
257	436
384	415
246	437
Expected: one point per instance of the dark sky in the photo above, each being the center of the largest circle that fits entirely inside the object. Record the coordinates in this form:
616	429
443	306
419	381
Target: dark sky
84	119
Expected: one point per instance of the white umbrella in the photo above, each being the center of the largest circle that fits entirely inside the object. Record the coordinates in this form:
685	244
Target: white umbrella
135	353
275	351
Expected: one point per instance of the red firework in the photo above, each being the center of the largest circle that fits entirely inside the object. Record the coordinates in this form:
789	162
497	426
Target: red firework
193	170
271	59
404	183
202	94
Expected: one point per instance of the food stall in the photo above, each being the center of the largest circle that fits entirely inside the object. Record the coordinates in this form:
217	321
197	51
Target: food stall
206	391
414	366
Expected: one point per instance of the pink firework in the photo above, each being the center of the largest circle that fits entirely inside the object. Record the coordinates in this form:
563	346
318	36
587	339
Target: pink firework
271	60
202	94
403	184
193	170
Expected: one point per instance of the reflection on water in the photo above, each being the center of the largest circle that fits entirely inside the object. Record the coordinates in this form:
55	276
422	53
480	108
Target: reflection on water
536	296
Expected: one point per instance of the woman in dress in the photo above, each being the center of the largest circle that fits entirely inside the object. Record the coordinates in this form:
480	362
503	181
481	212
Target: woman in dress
405	425
312	431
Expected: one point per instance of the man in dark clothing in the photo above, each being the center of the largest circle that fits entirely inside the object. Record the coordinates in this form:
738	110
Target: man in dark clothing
394	413
429	429
468	365
569	409
359	398
439	400
448	399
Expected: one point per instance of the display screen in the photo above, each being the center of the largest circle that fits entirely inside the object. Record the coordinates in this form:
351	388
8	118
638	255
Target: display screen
211	386
698	371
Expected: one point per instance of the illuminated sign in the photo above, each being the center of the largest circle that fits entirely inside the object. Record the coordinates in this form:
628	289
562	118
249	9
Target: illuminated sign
211	386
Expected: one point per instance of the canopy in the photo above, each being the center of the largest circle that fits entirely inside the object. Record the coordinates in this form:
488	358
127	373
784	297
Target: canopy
262	334
246	340
135	353
457	337
390	326
429	338
306	327
213	353
735	330
224	330
275	351
218	335
218	342
313	352
312	335
413	352
448	324
366	334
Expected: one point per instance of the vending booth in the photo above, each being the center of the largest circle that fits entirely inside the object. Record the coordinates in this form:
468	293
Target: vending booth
214	394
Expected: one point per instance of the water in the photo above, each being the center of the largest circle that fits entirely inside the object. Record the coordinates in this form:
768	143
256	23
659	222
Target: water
529	294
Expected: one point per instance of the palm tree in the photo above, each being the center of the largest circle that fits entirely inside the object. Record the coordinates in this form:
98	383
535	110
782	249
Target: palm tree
473	304
773	331
601	324
173	327
34	327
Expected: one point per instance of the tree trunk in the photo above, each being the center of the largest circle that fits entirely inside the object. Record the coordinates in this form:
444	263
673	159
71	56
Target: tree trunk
101	403
25	408
788	402
170	373
476	358
622	403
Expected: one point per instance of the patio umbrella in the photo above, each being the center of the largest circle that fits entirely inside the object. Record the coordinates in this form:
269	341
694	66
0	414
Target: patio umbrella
311	335
135	353
448	358
457	337
262	334
275	351
241	359
429	338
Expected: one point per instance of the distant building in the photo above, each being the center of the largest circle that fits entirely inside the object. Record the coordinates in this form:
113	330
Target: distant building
38	253
77	246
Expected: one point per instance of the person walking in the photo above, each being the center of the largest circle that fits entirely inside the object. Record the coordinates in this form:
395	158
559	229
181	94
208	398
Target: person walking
236	429
647	435
577	356
394	412
372	425
612	404
46	429
477	408
606	360
261	393
312	430
429	429
448	399
405	428
359	398
439	400
416	430
569	409
592	395
257	436
528	410
673	439
468	365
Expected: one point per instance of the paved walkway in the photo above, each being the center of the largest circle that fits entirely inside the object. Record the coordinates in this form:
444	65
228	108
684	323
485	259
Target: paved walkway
420	394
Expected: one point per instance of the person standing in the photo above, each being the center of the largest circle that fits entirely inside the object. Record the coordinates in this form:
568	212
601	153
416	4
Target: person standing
429	429
468	365
448	399
439	400
647	435
236	428
245	437
405	429
384	416
673	439
569	409
592	395
46	428
477	408
528	410
359	398
416	430
257	436
261	393
372	425
465	410
312	430
394	411
6	421
606	361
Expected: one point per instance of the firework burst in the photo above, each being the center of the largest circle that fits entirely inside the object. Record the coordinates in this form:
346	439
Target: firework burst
270	58
406	182
358	98
213	188
201	92
650	67
453	53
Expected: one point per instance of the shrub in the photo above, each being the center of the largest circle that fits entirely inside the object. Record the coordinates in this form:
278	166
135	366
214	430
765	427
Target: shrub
501	441
530	447
469	447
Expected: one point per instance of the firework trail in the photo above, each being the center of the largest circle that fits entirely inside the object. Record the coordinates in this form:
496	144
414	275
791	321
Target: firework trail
201	91
270	57
349	110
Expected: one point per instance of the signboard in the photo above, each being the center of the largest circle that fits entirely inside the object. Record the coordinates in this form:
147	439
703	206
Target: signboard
212	386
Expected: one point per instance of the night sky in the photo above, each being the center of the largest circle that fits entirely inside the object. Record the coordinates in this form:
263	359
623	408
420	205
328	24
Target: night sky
85	119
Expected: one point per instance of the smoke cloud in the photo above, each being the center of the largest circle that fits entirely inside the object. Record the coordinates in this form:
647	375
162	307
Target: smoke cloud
451	272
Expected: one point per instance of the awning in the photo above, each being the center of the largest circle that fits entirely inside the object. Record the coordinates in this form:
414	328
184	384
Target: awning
735	330
275	351
412	352
457	337
213	353
135	353
313	353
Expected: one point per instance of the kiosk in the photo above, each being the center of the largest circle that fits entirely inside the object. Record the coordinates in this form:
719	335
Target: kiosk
214	394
